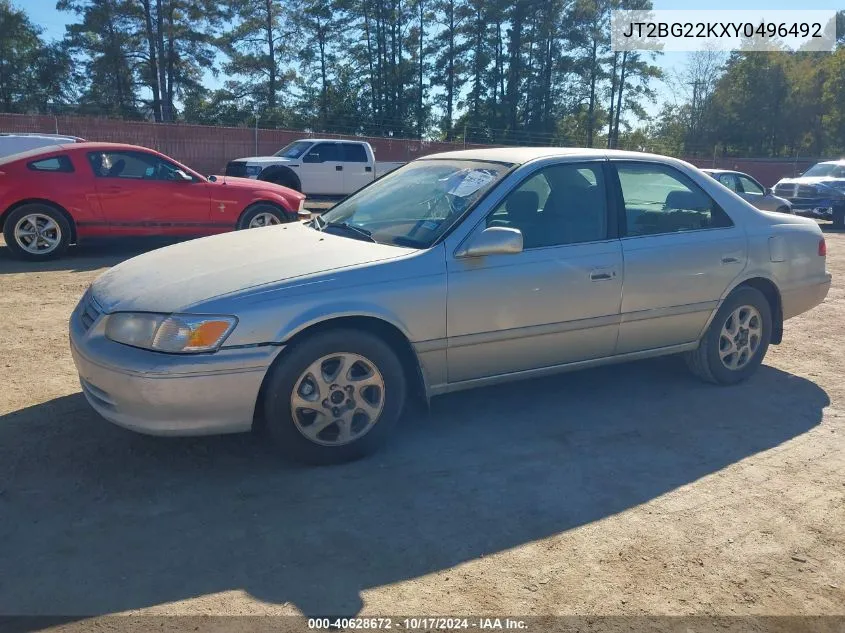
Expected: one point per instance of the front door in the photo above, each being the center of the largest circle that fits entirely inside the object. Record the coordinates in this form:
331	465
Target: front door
558	300
321	171
681	253
141	193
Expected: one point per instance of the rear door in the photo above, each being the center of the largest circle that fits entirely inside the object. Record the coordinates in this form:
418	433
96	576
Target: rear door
141	193
357	167
321	171
681	252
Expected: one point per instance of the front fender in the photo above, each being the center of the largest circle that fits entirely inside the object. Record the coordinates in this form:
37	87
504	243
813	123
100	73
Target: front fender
336	310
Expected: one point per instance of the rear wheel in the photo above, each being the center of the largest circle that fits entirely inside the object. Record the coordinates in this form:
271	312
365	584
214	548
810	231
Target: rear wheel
736	341
260	215
334	397
37	232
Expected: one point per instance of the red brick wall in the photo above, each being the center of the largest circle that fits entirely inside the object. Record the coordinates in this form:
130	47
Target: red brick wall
207	149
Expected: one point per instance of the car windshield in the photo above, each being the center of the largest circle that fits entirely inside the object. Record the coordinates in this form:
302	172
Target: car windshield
826	169
294	150
415	204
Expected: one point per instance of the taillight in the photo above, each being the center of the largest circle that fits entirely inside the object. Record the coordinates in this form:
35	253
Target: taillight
822	248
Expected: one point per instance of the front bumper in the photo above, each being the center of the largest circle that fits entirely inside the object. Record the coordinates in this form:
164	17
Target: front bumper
168	394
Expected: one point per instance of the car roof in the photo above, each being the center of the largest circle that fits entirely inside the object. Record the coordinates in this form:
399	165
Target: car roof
329	140
840	162
520	155
91	145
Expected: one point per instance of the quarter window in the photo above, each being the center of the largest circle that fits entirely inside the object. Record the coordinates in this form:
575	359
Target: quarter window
55	163
659	199
562	204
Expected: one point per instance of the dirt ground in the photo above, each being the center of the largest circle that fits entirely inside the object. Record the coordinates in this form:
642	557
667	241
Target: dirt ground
625	490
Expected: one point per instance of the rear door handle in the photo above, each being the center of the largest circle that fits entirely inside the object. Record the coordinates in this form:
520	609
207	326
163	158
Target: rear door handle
602	275
338	168
729	259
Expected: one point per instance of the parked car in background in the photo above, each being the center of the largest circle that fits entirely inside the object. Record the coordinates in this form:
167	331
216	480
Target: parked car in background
329	167
751	190
16	143
56	196
818	193
458	270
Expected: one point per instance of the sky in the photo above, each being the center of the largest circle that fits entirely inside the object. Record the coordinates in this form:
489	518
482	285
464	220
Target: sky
44	13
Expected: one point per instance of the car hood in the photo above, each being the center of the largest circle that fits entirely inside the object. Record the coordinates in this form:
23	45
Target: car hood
174	278
836	183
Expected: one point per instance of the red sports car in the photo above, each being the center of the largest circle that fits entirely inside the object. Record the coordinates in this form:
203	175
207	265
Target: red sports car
55	196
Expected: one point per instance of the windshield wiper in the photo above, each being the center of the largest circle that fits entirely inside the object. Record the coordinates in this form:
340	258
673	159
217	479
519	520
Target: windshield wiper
357	230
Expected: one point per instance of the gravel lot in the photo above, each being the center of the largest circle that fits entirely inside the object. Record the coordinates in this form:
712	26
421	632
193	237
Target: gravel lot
624	490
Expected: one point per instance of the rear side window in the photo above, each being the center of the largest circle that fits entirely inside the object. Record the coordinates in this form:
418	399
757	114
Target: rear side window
54	163
659	199
353	153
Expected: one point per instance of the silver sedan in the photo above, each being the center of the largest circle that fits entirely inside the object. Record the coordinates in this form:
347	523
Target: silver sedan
750	190
458	270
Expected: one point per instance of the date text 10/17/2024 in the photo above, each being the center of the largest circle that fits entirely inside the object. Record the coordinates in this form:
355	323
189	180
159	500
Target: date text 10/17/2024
418	623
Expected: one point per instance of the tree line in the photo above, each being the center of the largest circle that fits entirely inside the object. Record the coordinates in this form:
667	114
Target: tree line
482	71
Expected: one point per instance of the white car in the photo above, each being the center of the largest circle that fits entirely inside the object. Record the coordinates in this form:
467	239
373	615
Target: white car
17	143
328	167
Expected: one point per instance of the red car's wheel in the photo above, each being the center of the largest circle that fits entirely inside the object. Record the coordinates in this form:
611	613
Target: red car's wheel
37	232
260	215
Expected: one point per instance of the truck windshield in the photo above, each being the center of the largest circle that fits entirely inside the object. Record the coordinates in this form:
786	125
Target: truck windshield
831	170
294	150
415	204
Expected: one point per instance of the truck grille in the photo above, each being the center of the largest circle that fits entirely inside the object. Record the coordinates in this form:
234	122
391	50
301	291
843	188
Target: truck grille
89	311
785	191
236	169
796	191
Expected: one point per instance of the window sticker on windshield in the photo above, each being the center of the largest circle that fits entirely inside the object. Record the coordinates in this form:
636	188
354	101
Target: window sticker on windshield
473	181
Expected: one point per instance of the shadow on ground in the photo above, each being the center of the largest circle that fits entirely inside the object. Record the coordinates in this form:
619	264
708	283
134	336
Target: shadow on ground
98	520
91	255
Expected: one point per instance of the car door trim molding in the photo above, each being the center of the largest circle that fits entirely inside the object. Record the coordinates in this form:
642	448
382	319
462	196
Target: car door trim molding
517	333
657	313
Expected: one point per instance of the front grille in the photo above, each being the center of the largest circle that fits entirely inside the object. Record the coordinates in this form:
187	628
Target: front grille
89	311
806	192
236	169
785	191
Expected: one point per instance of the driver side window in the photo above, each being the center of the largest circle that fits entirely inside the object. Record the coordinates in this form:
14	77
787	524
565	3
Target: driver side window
561	204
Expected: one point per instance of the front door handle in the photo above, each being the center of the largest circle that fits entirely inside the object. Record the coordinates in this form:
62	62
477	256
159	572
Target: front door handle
338	168
729	259
602	275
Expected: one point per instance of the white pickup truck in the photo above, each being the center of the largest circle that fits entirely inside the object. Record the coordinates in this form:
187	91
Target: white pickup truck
326	167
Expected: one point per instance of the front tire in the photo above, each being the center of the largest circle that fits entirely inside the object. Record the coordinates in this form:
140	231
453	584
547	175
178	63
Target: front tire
37	232
262	214
735	343
334	397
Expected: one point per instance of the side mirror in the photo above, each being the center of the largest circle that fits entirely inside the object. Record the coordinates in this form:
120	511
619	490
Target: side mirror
212	179
494	240
768	191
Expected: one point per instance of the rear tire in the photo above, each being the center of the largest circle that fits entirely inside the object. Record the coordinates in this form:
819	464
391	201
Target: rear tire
37	232
735	343
318	413
262	214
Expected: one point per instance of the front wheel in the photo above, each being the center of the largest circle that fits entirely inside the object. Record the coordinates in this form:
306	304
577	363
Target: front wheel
260	215
736	341
334	397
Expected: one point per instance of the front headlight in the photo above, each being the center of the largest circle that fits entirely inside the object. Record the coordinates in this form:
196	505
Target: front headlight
254	170
173	333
